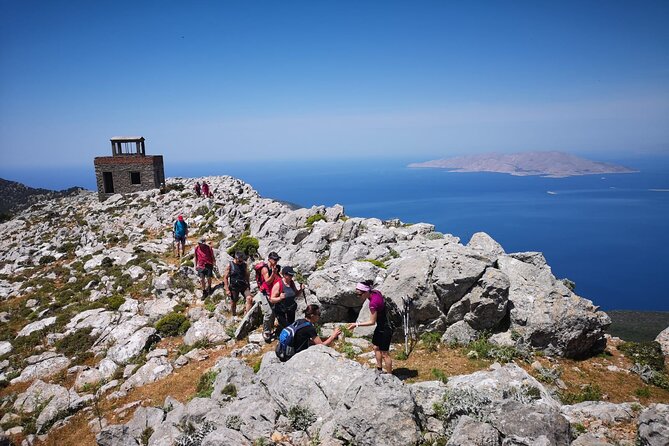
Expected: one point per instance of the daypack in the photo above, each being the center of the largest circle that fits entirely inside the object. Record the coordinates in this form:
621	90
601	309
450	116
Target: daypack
180	228
284	348
258	269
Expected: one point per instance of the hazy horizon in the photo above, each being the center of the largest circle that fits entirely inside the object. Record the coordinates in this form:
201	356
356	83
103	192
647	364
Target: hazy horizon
310	80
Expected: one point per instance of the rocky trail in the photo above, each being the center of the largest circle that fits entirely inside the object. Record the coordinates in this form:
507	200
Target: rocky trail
105	338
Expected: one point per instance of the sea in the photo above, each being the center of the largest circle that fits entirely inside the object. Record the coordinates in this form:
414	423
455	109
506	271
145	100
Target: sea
607	233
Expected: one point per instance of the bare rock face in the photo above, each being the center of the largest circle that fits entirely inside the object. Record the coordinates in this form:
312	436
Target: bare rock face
654	426
206	329
50	401
663	340
41	366
548	315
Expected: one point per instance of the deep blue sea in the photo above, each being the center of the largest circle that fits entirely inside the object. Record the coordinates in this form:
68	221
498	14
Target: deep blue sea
607	233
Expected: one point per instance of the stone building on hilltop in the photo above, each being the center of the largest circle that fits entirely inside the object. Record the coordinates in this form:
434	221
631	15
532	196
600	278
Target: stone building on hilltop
129	169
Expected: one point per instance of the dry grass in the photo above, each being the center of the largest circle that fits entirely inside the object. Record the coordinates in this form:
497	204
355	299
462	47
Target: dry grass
617	386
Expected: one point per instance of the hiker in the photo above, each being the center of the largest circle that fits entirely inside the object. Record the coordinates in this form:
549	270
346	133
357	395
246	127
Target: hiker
236	282
304	334
267	274
198	191
204	264
180	234
283	297
205	189
379	316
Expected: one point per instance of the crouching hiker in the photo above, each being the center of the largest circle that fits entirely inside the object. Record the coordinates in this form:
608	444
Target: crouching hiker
379	316
283	297
267	274
302	334
204	265
236	282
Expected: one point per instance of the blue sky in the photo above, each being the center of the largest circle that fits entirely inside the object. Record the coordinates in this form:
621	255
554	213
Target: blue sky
262	80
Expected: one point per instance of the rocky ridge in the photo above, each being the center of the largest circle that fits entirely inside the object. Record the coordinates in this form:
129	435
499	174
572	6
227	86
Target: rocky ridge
96	274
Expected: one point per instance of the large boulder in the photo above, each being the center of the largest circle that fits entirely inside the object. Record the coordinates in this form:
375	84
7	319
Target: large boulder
37	325
41	366
353	404
663	340
123	351
654	426
206	329
47	402
548	315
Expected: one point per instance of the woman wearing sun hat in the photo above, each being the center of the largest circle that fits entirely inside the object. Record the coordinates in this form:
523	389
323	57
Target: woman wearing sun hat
379	317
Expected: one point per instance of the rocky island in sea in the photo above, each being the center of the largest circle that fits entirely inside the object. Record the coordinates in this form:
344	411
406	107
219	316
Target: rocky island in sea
105	338
548	164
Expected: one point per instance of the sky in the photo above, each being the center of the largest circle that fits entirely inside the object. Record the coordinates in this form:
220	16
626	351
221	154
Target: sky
260	80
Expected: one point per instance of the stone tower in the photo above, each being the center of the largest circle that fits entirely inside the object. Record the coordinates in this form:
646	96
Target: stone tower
128	169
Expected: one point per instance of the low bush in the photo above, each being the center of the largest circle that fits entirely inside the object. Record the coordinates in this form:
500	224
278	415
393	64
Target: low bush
246	244
77	345
314	218
431	341
440	375
376	263
206	384
173	324
44	260
114	302
644	353
301	417
588	392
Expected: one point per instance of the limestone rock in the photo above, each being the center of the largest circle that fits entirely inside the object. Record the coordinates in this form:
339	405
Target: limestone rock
663	340
41	366
469	432
153	370
654	426
206	329
37	325
121	352
5	347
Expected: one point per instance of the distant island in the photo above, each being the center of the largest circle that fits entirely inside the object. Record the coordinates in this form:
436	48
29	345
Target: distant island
548	164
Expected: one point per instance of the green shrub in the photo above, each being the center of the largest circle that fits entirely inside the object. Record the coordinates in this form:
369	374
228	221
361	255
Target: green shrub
440	375
246	244
644	353
173	324
146	434
434	235
376	263
230	390
569	284
256	366
114	302
431	341
643	392
401	356
314	218
348	350
77	345
301	417
46	259
206	384
588	393
107	263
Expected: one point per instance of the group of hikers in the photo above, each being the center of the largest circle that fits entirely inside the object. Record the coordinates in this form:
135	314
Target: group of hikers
277	297
202	189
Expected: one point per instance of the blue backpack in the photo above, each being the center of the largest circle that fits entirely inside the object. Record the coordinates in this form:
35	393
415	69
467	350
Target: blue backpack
180	228
284	348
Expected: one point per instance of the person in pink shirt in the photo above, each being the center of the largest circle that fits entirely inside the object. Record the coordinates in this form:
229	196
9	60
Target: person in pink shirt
383	332
204	265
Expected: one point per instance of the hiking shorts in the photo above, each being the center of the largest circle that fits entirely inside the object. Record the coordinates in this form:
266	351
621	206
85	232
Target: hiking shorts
236	295
382	338
180	239
207	271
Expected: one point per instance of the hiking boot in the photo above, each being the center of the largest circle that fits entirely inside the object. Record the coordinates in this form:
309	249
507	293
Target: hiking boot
267	337
204	293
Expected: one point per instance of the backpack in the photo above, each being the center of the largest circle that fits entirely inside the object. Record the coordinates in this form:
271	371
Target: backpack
284	348
180	228
258	269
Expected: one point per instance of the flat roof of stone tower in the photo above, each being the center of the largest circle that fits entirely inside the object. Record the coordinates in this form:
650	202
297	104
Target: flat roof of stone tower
126	138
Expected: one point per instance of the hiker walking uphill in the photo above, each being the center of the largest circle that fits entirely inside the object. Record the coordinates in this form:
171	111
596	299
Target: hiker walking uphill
283	297
204	264
379	316
198	191
205	189
303	334
267	274
180	233
236	282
